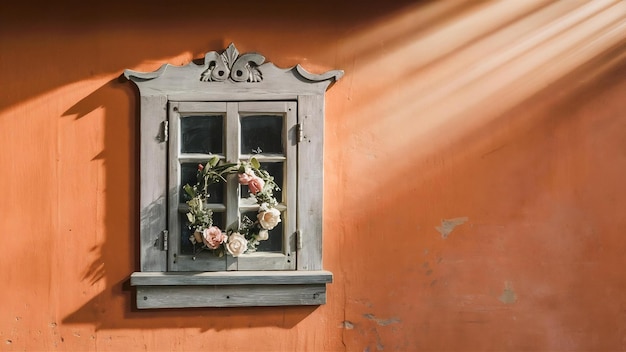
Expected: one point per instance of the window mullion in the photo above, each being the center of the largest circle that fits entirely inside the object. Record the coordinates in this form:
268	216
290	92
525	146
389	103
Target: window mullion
232	186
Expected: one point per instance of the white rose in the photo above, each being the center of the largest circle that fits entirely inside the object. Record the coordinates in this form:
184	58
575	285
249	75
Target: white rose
268	218
262	235
237	244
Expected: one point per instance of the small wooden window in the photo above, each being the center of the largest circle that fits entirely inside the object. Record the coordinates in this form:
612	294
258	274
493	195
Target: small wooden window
234	107
234	131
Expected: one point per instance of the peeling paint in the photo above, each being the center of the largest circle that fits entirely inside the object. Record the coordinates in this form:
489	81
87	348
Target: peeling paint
508	295
447	225
379	342
382	322
348	325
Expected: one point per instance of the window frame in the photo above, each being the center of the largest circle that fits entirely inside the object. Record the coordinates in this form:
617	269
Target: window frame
306	284
232	113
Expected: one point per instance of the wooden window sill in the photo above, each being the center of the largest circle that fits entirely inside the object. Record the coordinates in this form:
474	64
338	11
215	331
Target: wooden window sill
230	288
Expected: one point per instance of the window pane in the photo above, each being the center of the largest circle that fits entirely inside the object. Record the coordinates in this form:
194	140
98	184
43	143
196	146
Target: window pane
186	247
275	241
275	170
202	134
262	133
188	176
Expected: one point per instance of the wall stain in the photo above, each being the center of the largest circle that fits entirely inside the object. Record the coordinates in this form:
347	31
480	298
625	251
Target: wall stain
447	225
379	342
381	322
348	325
508	296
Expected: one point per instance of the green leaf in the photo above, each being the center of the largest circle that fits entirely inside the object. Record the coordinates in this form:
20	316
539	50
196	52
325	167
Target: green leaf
255	163
214	160
189	190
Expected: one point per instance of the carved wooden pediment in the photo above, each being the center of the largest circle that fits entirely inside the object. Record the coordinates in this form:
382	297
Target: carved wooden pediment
230	72
230	65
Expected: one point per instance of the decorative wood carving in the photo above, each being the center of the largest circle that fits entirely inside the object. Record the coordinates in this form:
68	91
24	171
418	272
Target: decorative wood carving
229	64
220	76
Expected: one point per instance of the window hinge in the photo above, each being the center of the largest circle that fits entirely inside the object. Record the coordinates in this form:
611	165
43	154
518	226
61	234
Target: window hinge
165	132
299	133
299	239
165	235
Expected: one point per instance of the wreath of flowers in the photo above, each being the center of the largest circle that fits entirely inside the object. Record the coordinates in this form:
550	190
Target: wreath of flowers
243	236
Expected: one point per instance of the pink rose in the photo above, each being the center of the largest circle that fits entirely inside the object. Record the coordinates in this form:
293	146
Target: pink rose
213	237
245	178
200	167
256	185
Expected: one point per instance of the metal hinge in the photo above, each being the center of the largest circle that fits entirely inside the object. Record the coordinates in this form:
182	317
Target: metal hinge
299	239
299	133
165	235
165	132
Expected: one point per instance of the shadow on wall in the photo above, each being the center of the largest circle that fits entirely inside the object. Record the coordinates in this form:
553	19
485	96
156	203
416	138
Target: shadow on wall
87	41
117	35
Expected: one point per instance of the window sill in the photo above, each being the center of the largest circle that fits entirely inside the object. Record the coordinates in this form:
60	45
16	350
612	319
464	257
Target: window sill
230	288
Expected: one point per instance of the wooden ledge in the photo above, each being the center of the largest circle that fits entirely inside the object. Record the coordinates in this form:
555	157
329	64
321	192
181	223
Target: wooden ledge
230	278
230	288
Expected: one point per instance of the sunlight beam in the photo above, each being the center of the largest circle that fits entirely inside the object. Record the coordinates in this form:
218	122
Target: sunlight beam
461	98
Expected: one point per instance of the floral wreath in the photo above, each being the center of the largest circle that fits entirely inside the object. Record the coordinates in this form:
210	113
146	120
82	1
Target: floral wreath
241	237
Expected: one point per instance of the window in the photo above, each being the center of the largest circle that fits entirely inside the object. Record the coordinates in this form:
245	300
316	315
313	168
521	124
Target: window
234	107
234	131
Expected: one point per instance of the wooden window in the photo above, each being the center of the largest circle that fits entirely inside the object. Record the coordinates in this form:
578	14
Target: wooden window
234	131
233	106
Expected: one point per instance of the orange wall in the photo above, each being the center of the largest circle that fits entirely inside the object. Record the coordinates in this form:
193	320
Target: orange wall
474	187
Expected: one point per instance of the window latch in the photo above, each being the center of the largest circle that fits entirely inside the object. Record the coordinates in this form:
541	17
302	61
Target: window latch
299	239
165	235
299	133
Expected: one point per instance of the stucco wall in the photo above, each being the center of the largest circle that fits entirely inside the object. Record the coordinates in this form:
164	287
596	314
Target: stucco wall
474	187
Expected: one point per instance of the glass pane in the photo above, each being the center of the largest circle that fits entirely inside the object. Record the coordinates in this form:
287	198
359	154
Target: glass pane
262	134
186	247
188	175
275	241
202	134
276	170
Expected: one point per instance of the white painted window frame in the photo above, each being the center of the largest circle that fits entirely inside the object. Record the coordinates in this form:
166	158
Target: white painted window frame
228	77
